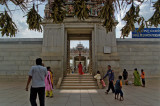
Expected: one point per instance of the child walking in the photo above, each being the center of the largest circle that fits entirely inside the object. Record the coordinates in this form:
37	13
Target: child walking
143	77
98	77
118	89
49	83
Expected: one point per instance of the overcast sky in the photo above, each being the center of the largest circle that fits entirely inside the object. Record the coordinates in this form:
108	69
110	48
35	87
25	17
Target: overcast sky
145	10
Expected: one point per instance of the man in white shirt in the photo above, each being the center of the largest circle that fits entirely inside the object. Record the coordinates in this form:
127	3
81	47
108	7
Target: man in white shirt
37	74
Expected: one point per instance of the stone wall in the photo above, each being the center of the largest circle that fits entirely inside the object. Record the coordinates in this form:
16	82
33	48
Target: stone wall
103	40
17	56
140	54
53	49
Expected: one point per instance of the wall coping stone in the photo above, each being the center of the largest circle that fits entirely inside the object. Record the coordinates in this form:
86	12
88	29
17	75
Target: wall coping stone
21	40
40	40
149	41
137	39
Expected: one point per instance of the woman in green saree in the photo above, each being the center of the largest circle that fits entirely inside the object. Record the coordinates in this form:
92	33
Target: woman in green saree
137	81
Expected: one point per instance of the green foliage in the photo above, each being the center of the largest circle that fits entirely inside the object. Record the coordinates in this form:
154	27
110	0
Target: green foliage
131	17
34	20
7	26
57	11
107	13
80	9
155	19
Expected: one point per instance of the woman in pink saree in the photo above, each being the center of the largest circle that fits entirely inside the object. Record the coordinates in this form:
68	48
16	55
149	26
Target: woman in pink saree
48	85
80	69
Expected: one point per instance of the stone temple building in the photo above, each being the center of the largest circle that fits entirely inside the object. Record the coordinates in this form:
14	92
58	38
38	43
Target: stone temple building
18	55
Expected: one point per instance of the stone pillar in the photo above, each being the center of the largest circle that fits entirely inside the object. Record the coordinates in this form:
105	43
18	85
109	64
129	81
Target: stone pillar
105	50
53	48
90	56
86	62
73	63
68	57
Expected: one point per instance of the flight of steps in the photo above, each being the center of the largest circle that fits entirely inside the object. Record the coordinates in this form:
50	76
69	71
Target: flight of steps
75	81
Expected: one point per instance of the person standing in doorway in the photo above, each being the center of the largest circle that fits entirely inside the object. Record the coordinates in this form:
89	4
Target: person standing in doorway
37	74
110	74
80	69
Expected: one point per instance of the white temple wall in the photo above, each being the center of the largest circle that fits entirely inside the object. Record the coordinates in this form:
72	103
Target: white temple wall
140	54
18	55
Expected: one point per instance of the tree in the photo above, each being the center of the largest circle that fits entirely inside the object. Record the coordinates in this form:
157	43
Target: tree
81	11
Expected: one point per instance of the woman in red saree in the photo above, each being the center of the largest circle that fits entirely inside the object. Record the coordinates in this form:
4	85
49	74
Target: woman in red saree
80	69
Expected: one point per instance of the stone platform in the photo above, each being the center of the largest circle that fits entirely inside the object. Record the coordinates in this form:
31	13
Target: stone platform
12	93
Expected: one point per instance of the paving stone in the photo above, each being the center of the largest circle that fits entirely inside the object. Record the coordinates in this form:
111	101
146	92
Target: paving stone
12	93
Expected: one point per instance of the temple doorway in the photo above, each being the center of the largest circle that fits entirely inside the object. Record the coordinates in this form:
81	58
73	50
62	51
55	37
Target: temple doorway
79	52
79	49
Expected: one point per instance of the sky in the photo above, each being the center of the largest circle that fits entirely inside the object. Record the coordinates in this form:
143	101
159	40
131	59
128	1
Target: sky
146	11
73	43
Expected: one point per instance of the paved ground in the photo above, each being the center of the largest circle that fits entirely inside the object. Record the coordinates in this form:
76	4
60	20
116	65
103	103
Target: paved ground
12	93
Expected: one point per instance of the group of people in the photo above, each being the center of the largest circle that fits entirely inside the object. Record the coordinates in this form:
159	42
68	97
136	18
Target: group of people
42	81
137	77
117	87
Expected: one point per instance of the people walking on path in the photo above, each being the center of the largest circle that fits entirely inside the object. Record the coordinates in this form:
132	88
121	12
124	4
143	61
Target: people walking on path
98	77
118	88
143	77
125	76
136	75
110	74
37	74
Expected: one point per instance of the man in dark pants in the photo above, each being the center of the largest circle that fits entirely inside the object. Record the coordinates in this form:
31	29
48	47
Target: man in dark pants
110	75
37	74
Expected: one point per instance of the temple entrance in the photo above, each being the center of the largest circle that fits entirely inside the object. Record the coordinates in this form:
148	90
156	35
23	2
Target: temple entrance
79	52
79	49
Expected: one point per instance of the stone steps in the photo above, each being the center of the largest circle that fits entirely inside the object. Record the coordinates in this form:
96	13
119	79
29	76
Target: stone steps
79	84
78	79
75	81
79	87
79	76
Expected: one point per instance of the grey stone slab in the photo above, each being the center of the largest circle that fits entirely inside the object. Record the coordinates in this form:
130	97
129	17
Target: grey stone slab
60	100
10	58
1	58
27	67
72	104
13	92
10	68
101	104
127	62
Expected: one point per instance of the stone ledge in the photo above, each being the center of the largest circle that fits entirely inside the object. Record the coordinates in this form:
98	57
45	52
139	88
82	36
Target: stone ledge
137	39
11	77
21	40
